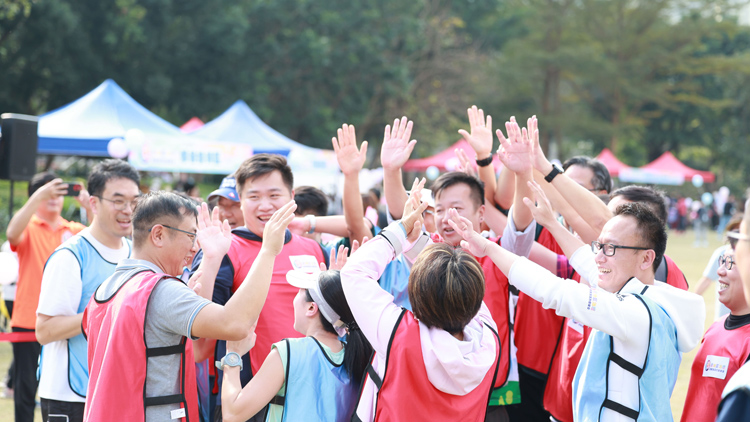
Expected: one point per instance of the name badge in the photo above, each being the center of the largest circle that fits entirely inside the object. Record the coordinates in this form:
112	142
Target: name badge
306	263
716	367
575	325
178	413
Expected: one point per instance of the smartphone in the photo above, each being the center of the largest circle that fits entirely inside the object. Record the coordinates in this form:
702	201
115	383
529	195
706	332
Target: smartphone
74	189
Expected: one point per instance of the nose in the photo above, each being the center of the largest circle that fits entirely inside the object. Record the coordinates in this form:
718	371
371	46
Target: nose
265	205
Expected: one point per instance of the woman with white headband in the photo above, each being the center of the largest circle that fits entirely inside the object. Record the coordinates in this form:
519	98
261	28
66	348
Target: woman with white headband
314	378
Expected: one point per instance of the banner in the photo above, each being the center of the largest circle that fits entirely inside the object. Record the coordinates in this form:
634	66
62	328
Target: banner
187	154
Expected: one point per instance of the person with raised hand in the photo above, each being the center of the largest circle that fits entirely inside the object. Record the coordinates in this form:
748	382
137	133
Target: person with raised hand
633	321
442	358
154	380
311	378
480	140
394	153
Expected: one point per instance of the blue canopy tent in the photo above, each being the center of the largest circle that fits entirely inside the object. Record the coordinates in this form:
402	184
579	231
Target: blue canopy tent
85	126
240	125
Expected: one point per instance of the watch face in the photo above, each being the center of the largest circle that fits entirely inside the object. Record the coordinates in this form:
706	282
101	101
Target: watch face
232	360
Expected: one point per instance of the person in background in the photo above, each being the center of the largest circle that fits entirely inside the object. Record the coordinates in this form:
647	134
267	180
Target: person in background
710	274
725	346
33	233
71	275
228	202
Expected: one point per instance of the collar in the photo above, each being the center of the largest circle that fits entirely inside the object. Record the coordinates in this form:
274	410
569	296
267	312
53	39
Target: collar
632	286
244	233
40	222
132	264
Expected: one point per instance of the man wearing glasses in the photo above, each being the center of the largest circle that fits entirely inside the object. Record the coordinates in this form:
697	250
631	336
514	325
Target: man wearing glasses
71	275
640	328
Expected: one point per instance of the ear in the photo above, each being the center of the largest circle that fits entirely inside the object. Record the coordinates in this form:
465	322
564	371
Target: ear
312	310
481	217
292	192
157	236
648	259
94	204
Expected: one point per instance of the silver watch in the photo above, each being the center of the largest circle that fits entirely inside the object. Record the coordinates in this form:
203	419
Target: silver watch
231	359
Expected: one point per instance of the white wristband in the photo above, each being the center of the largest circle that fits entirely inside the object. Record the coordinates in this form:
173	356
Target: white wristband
311	219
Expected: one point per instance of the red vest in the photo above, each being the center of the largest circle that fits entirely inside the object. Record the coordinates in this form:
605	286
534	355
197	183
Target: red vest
276	319
536	330
558	393
675	277
406	392
117	356
721	354
497	298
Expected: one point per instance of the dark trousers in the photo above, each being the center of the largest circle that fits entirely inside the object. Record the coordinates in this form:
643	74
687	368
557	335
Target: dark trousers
12	367
531	409
26	358
62	411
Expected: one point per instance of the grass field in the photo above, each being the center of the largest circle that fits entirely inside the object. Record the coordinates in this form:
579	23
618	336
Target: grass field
691	260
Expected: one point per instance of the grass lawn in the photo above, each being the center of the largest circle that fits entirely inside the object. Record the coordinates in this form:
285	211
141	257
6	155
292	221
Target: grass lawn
691	260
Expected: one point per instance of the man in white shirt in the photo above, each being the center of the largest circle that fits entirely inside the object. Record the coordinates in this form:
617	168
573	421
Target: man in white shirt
71	275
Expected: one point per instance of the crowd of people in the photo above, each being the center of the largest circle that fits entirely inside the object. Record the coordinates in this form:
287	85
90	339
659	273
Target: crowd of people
541	294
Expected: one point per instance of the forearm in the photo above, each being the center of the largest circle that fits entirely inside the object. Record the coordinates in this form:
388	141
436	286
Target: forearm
354	211
568	242
585	203
571	216
521	214
505	189
56	328
394	191
495	219
487	176
230	391
209	268
20	220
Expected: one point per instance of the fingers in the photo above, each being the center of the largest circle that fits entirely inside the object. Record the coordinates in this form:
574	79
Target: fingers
355	245
322	265
387	134
363	148
464	134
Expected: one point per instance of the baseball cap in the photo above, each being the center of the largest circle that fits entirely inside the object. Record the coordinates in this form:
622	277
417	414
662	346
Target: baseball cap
228	189
310	281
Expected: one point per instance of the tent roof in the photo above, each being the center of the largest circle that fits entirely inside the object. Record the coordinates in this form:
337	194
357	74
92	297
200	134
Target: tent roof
611	162
85	126
239	124
191	125
445	160
667	162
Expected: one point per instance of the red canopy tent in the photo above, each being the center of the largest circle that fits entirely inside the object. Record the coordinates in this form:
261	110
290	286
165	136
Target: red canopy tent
191	125
446	160
669	163
607	157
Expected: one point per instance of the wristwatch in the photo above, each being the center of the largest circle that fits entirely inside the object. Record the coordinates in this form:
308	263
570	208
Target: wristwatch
231	359
555	171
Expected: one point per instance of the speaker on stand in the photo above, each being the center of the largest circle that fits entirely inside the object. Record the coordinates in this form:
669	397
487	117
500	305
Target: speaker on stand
18	145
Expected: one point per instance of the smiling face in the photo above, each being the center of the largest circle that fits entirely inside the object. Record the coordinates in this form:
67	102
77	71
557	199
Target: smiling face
110	221
456	196
615	271
261	197
742	255
731	290
231	211
301	311
181	247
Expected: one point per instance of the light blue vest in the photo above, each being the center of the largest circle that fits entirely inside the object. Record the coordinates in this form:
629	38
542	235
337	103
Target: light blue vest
316	388
94	270
395	280
656	376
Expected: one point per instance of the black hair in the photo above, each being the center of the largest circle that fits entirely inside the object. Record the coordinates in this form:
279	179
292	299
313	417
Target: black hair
39	180
646	195
310	200
107	170
602	180
358	350
160	207
650	226
447	180
260	165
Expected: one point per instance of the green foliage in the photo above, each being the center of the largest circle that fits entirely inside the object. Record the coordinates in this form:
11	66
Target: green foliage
641	77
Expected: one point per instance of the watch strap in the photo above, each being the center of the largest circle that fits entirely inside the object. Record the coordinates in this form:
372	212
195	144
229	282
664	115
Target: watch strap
484	162
225	362
552	174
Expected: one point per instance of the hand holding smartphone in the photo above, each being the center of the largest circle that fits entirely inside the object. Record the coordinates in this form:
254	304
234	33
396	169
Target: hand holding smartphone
74	189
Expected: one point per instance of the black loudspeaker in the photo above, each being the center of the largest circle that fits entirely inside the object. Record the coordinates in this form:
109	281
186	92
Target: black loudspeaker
18	146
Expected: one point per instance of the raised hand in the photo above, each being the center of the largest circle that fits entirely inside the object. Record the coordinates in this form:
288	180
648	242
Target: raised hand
539	160
340	258
541	209
351	160
51	190
480	137
516	152
214	236
464	163
397	147
412	219
473	241
275	229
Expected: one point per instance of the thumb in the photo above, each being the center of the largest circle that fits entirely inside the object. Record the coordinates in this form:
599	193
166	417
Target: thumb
197	288
464	133
465	244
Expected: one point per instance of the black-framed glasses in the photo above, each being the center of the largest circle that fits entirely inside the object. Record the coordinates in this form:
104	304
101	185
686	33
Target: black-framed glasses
190	234
610	249
734	236
120	204
726	261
